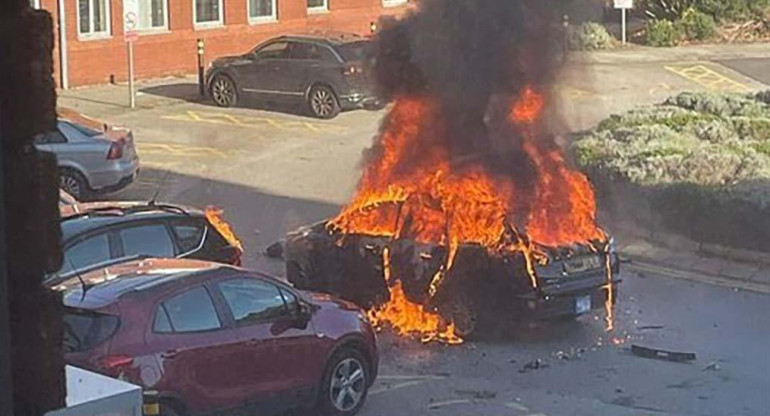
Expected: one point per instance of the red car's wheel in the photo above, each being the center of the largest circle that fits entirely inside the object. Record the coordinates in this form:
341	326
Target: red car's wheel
345	383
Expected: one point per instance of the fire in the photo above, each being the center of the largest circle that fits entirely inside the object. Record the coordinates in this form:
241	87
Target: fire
214	215
410	188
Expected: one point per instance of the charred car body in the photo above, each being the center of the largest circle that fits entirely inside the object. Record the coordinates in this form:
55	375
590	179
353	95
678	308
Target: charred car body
564	282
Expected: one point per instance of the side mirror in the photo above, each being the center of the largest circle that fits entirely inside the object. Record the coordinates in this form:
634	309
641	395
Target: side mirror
302	314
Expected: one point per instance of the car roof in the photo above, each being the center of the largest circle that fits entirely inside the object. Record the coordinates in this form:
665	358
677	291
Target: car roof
106	285
84	217
329	37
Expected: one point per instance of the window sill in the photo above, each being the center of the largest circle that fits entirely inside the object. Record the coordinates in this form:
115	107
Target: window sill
262	20
317	10
394	3
208	26
94	37
151	32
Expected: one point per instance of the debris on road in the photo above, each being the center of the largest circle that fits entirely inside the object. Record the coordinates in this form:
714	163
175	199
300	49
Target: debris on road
275	250
644	327
659	354
477	394
535	364
713	366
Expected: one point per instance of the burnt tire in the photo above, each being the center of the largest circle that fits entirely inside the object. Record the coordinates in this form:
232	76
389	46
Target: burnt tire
74	183
345	384
461	310
223	91
322	102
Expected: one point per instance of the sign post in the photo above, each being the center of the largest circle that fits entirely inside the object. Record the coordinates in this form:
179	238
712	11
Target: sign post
623	5
130	35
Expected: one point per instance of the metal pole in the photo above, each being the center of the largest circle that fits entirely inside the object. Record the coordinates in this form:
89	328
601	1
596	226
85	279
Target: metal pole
131	95
6	378
201	81
623	24
63	47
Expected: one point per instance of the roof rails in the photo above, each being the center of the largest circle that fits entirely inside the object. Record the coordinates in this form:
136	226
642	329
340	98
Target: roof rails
58	278
116	210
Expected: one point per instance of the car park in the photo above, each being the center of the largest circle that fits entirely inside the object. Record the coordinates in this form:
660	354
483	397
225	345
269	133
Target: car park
326	73
100	232
93	158
203	337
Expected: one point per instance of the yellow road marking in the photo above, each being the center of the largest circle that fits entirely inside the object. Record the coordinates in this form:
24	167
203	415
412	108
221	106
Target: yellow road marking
517	406
395	386
179	150
707	77
436	405
401	377
252	122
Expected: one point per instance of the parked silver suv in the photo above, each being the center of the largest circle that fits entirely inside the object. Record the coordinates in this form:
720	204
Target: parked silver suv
91	160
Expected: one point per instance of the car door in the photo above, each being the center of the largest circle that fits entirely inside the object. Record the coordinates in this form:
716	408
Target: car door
279	349
82	149
192	344
145	238
305	66
264	77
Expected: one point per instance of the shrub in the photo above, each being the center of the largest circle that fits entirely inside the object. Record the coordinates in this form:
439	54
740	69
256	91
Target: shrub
590	36
663	33
665	9
697	25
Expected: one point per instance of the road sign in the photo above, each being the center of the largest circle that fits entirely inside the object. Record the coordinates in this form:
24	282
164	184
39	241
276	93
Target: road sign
624	4
130	35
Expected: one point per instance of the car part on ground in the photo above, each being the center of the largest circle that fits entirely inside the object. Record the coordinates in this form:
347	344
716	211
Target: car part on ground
93	158
326	73
99	233
207	337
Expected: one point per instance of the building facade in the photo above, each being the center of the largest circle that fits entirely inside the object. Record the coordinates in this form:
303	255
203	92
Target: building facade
91	46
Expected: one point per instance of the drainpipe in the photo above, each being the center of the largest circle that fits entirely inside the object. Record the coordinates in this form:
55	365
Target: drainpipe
63	47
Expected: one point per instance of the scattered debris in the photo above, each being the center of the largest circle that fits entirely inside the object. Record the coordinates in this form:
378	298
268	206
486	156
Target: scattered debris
572	354
275	250
644	327
535	364
713	366
659	354
477	394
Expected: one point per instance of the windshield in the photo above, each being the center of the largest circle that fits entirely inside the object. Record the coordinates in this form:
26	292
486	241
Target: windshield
84	330
483	207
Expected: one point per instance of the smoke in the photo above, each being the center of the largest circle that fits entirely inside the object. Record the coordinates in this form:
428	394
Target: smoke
464	52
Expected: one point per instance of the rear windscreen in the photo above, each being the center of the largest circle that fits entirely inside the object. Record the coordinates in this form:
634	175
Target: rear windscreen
84	330
355	51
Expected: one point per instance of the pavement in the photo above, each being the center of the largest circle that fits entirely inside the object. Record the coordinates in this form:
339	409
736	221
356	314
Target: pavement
274	169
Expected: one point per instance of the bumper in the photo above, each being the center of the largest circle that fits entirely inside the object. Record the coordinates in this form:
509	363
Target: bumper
116	178
544	307
356	100
122	183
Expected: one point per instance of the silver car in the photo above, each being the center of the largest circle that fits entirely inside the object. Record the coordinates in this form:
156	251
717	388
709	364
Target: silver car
91	160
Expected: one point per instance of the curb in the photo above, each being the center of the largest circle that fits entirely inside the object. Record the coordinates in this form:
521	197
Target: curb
645	265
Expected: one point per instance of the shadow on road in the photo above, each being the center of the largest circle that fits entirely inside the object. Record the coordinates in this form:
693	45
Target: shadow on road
188	91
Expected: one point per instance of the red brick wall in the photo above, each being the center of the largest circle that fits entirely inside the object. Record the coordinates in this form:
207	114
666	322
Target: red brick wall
94	61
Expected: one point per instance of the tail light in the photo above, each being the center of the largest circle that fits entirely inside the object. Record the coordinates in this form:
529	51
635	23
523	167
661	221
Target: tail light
352	70
115	365
116	149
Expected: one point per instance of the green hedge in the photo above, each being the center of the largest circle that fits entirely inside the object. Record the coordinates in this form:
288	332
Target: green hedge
701	160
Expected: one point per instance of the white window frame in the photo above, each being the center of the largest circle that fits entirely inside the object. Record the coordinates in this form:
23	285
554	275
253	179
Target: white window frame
319	9
163	28
212	24
35	4
393	3
91	34
262	19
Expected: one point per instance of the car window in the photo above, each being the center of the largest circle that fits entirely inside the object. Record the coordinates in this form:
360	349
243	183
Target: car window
190	311
51	137
252	300
86	131
188	235
354	51
90	251
70	132
310	51
85	330
276	50
150	239
290	299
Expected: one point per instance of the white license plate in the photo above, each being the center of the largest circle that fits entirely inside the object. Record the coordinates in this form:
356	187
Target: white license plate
582	304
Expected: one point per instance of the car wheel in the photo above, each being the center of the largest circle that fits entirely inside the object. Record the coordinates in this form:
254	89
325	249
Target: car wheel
345	384
74	183
223	91
461	311
323	102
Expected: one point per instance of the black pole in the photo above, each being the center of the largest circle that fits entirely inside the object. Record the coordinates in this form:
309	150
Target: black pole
201	81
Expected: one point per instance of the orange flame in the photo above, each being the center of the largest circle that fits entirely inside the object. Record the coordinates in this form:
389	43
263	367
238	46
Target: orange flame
410	189
214	215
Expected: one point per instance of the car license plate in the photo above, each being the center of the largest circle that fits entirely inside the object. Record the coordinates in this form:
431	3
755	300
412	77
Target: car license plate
582	304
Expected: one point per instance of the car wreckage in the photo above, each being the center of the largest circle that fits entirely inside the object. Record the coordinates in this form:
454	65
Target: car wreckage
478	289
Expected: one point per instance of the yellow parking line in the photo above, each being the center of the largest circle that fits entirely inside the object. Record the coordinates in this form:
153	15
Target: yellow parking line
436	405
395	386
707	77
252	122
517	406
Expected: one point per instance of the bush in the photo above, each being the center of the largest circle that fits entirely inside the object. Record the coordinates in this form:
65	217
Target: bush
697	25
590	36
670	10
719	10
663	33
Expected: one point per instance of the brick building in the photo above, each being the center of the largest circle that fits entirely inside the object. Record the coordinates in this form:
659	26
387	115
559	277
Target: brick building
91	49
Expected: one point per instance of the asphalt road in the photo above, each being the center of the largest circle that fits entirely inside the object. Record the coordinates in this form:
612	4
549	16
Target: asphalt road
273	171
757	68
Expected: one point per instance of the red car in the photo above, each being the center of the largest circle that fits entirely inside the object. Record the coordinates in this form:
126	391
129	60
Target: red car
207	338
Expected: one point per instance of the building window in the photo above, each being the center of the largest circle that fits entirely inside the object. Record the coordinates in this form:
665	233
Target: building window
151	14
262	10
93	17
317	5
207	12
